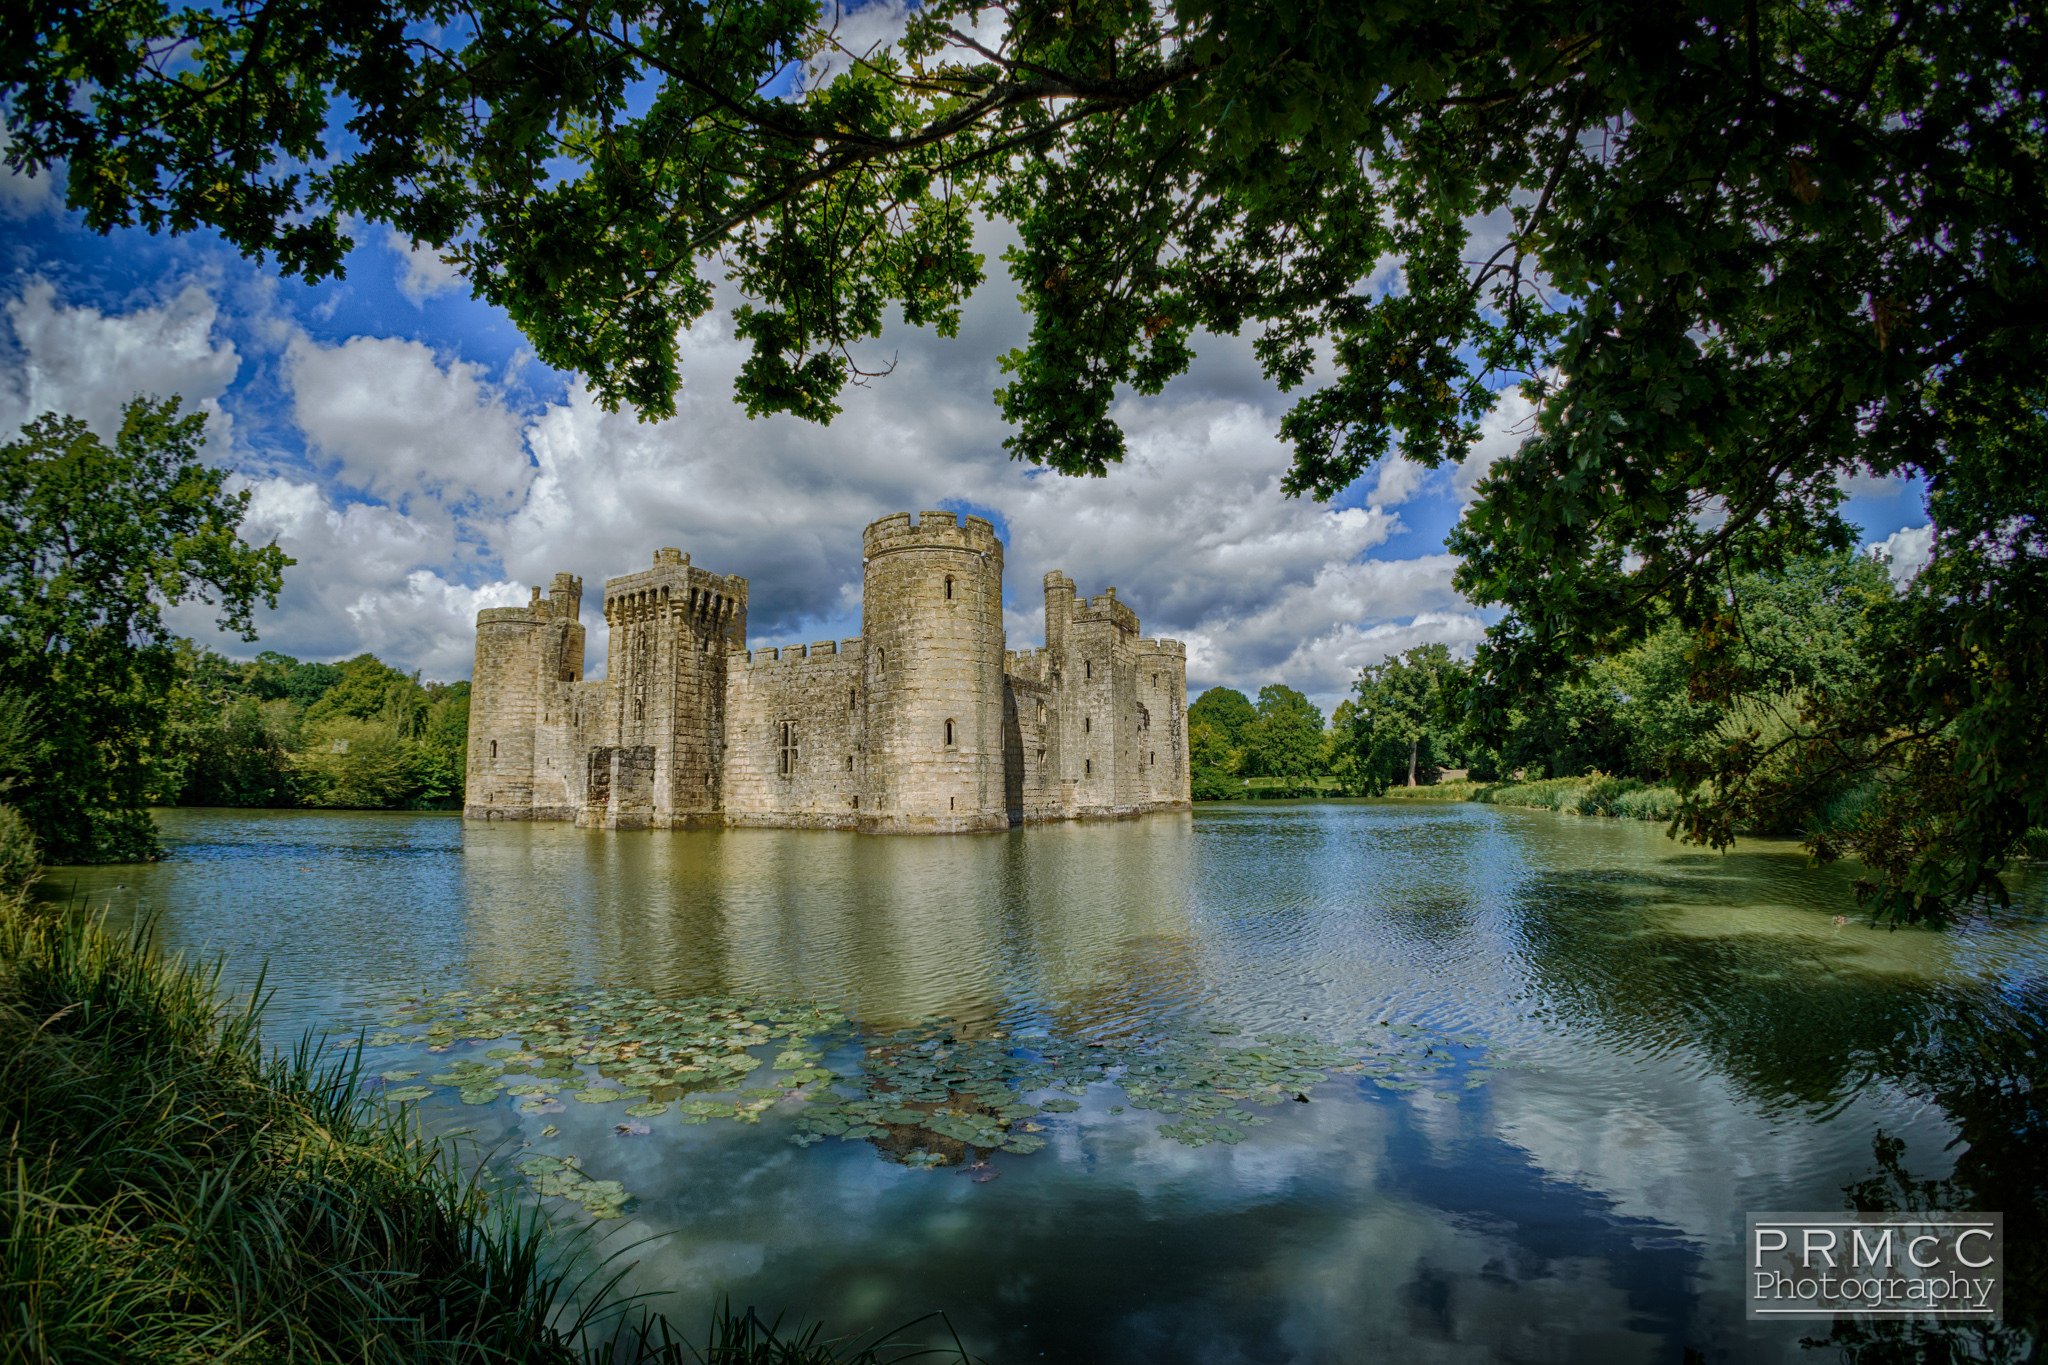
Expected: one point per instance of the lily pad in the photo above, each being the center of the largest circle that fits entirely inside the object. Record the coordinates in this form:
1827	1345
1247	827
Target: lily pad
600	1094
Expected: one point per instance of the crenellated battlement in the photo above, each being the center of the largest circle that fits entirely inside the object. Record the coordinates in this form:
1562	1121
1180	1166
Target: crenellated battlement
1032	666
563	602
819	651
930	530
1166	649
531	615
675	589
1107	608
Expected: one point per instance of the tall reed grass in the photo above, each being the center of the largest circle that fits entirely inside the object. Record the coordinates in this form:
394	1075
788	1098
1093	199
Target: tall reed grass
174	1192
1625	797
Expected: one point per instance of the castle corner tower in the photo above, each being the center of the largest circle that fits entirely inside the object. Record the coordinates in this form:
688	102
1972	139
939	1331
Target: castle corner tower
932	630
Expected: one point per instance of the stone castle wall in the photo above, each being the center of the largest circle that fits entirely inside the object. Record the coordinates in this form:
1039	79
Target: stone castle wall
796	731
923	724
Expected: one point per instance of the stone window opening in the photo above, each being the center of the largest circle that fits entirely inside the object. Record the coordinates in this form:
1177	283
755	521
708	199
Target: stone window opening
949	587
1041	758
856	803
852	698
1041	713
1152	759
787	756
1087	669
1087	767
849	763
881	660
1087	725
951	803
949	734
494	748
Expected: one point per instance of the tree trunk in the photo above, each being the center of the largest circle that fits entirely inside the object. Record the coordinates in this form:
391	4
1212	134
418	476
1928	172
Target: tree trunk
1414	747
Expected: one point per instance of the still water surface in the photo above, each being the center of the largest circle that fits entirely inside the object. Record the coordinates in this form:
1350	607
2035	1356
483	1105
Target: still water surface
1680	1037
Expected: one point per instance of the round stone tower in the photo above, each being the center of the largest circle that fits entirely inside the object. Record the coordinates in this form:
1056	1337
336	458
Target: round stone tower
932	630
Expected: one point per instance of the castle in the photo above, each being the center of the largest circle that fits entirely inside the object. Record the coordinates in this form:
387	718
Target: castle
924	724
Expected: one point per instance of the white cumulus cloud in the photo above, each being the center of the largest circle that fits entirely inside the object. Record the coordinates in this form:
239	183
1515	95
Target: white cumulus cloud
1511	421
23	195
89	364
400	422
1905	552
422	272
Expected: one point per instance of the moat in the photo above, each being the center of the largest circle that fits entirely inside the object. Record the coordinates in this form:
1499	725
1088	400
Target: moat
1559	1060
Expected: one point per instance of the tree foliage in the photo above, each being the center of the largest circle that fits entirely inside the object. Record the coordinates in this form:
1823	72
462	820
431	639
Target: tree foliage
1216	726
1736	251
278	732
96	541
1226	709
1284	737
1403	725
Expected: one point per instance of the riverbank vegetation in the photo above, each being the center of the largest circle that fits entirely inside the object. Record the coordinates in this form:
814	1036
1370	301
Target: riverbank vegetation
1730	731
176	1193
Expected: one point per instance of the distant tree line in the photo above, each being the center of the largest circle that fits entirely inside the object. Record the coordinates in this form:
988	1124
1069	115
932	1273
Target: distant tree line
278	732
1741	747
1277	746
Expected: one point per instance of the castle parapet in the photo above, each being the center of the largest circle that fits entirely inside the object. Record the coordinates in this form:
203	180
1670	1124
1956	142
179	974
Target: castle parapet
923	723
673	587
899	532
816	652
1107	608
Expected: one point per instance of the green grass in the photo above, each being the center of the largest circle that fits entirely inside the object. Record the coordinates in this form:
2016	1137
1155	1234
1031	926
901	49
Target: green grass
174	1192
1624	797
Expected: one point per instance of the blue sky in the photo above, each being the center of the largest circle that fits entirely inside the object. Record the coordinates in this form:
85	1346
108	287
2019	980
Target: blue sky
401	442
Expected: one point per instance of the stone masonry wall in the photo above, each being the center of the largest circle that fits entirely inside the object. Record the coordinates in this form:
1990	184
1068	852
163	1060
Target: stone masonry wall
523	656
795	728
1162	674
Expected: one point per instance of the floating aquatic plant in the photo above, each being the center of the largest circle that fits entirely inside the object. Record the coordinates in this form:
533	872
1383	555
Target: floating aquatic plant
923	1096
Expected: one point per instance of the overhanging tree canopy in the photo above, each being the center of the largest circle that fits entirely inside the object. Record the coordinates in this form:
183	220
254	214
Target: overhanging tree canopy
1737	250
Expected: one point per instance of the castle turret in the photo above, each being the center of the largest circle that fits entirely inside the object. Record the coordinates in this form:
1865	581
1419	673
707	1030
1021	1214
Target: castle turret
932	627
562	645
1059	610
520	653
